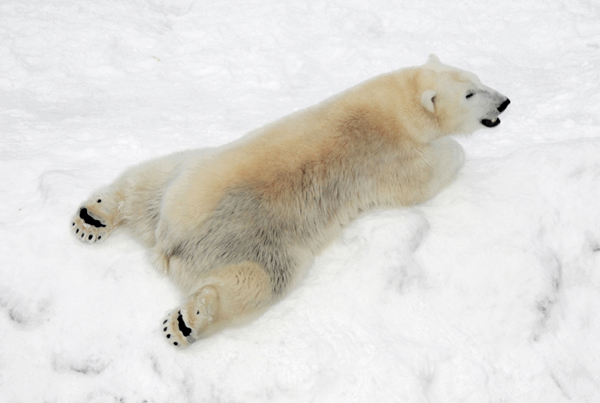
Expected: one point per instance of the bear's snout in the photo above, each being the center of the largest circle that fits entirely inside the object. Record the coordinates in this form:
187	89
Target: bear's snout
494	120
503	105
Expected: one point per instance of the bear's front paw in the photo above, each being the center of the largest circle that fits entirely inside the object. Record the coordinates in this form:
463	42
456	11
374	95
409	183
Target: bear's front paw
177	331
88	226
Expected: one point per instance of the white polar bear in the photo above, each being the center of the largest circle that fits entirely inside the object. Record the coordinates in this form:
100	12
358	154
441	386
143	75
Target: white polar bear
236	227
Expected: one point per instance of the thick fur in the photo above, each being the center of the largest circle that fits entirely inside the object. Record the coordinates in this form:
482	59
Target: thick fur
236	227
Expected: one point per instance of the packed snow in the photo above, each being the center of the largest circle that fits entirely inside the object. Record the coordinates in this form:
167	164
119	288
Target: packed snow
490	292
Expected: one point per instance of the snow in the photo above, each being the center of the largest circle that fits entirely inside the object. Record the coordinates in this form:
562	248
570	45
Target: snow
490	292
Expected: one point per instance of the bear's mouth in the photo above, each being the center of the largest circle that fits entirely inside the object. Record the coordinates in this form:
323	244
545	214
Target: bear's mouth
490	123
496	121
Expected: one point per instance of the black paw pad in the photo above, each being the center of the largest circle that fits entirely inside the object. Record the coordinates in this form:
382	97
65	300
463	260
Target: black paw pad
186	331
88	219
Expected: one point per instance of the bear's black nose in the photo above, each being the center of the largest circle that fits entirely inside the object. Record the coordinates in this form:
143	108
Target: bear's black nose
503	105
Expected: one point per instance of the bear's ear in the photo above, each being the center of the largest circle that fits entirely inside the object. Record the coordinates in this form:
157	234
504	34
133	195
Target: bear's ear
433	59
428	100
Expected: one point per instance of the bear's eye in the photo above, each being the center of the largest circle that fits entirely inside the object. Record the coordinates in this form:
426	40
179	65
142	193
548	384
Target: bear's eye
469	95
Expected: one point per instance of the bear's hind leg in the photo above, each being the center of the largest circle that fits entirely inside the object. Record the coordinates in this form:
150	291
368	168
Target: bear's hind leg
232	294
96	218
133	200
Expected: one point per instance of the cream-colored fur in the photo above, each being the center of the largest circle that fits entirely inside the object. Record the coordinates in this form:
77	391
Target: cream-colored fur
236	227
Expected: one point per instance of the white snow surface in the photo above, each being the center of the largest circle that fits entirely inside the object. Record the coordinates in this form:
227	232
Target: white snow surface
490	292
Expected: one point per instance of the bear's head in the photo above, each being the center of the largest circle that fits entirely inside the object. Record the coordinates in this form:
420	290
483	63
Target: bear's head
457	99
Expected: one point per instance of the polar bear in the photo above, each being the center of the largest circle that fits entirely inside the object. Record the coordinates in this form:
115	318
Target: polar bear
236	227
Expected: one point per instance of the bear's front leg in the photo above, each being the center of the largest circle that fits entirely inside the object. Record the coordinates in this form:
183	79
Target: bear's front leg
446	157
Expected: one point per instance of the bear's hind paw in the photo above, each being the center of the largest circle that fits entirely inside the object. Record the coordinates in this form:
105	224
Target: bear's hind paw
176	330
88	228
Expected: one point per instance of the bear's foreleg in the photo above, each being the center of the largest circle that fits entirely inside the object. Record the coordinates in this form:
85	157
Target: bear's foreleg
232	294
446	157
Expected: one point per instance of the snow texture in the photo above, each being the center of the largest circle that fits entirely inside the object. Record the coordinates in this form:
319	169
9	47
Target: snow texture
490	292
